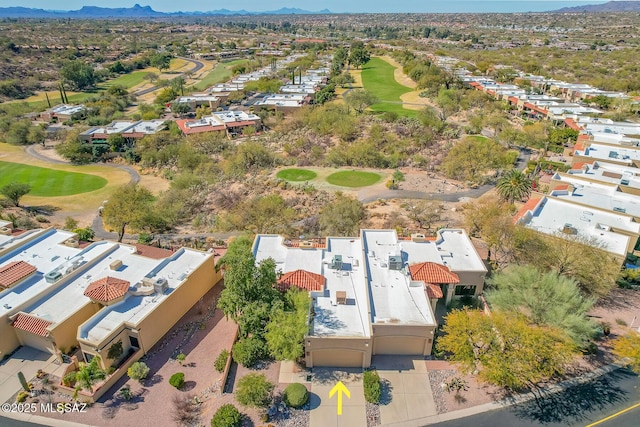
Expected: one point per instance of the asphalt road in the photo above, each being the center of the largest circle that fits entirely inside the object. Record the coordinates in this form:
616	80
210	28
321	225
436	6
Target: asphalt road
581	405
197	66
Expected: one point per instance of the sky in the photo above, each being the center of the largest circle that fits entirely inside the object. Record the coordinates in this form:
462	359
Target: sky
337	6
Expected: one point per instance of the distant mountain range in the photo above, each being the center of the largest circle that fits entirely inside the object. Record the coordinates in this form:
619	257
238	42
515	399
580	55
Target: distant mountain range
612	6
137	11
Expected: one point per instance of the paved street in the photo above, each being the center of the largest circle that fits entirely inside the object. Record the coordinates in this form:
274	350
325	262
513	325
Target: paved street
582	405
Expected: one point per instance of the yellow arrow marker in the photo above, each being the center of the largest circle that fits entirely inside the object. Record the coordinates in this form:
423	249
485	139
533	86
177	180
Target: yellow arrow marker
340	388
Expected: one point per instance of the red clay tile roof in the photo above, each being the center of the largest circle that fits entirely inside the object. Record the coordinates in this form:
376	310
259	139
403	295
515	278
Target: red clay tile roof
434	291
301	279
529	206
572	124
33	324
15	271
431	272
152	251
107	289
579	165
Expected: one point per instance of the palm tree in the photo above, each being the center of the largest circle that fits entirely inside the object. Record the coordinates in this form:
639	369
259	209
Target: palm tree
514	185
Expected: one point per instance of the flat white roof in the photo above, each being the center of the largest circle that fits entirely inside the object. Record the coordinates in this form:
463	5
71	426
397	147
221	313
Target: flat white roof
452	248
68	109
551	215
133	309
65	301
395	298
603	171
607	152
235	116
197	98
46	253
331	319
614	138
616	127
599	195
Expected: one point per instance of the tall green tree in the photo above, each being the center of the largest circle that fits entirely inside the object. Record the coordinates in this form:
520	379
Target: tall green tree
514	185
342	217
128	206
545	299
506	350
473	157
360	100
161	61
78	74
359	56
14	191
287	328
249	296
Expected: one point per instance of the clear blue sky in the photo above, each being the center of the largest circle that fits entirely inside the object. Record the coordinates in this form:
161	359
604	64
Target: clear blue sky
441	6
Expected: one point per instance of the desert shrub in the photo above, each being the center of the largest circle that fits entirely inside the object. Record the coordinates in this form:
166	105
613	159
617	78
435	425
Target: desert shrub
226	416
295	395
70	379
177	380
254	390
621	322
248	351
138	371
22	396
221	360
186	410
372	389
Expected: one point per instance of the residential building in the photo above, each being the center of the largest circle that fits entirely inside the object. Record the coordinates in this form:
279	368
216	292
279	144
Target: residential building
129	130
233	123
616	233
374	294
199	100
56	294
64	112
627	178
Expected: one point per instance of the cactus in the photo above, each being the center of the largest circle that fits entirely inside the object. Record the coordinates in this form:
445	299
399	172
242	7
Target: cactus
23	382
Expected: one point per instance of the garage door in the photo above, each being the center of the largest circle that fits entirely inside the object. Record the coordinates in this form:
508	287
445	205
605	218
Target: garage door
35	341
398	345
338	358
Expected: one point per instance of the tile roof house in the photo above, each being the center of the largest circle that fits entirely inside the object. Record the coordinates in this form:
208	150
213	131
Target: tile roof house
433	275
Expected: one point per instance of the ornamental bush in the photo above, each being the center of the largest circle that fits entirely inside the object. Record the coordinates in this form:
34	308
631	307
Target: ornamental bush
221	360
138	371
226	416
372	389
177	380
254	390
295	395
249	351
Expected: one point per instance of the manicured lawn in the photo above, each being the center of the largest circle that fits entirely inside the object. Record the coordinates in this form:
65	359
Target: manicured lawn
127	80
378	78
353	178
48	182
221	73
296	174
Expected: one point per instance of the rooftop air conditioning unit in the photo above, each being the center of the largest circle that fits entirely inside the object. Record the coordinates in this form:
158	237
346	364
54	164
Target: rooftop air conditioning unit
306	244
395	262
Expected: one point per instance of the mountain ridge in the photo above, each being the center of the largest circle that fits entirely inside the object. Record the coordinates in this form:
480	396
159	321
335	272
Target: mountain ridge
137	11
612	6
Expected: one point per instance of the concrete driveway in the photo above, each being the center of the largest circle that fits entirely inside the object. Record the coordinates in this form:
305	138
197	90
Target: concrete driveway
26	360
324	410
406	391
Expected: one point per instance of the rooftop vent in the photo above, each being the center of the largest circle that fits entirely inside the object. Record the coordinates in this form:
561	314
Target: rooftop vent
418	237
336	262
160	285
569	229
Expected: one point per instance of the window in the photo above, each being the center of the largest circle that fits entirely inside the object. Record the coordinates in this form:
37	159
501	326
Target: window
134	342
88	357
465	290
